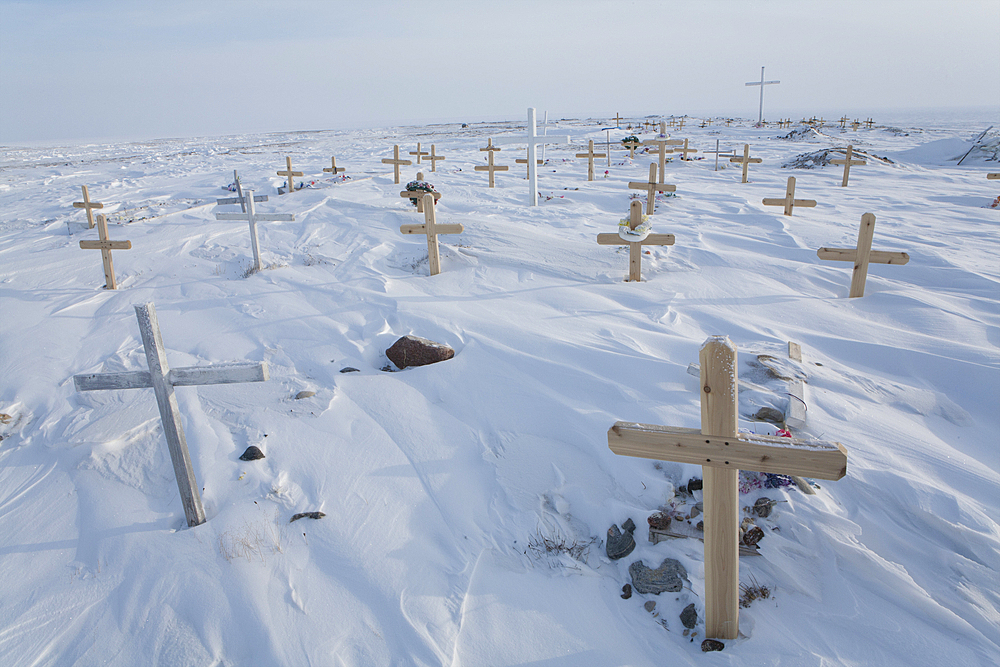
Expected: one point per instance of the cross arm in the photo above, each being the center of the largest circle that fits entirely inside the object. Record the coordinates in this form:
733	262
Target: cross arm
289	173
854	163
659	187
589	154
808	203
275	217
106	245
993	177
237	200
188	376
491	167
415	194
752	160
652	239
759	83
821	459
83	204
389	160
874	257
438	229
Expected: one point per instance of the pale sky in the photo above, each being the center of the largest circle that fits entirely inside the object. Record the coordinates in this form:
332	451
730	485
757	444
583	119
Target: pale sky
103	69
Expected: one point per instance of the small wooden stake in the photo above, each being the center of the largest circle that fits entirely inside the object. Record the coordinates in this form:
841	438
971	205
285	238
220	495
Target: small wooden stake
684	151
745	160
635	249
651	188
491	167
105	245
395	162
432	229
434	157
288	174
862	255
87	205
848	163
333	168
789	201
590	155
418	153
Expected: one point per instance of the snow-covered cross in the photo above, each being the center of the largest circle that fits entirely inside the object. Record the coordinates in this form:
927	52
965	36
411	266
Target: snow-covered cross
663	140
432	229
87	205
722	453
862	255
105	245
848	163
433	158
253	218
533	139
419	153
395	162
745	160
635	247
590	155
651	188
288	174
490	167
789	201
761	83
333	168
163	379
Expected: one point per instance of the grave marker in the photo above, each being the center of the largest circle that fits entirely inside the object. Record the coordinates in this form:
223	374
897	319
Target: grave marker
843	122
651	188
105	245
333	168
789	201
618	120
745	160
490	147
432	229
662	141
524	161
590	155
533	139
869	123
848	163
418	153
631	146
491	167
862	255
730	153
635	248
395	162
288	174
684	151
722	453
418	195
163	379
253	218
761	83
87	205
434	158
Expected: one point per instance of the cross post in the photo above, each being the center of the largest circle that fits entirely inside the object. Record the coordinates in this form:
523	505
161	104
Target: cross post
253	218
395	162
163	379
862	255
490	167
288	174
533	139
722	453
635	248
419	153
761	83
105	245
433	158
333	168
432	229
618	120
590	155
651	188
745	160
789	201
848	162
87	205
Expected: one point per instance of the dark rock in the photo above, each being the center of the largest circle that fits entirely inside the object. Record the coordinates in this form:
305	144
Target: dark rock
416	351
305	393
769	414
626	591
694	484
682	490
753	536
649	606
252	454
629	525
701	525
619	544
659	521
307	515
348	369
669	577
689	617
712	645
763	507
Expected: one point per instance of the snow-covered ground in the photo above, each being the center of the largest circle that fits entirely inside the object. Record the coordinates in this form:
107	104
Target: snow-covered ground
466	502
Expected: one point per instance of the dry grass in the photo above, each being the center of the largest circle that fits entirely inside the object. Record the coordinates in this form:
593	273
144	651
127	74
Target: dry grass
256	539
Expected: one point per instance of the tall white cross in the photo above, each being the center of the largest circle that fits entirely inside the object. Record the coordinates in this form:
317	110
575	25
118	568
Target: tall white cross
533	139
761	83
253	218
163	379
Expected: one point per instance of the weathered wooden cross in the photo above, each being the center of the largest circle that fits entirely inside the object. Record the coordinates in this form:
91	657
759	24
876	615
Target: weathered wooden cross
745	160
163	379
618	120
333	168
524	161
652	187
635	248
253	218
761	83
590	155
729	152
843	122
490	147
432	229
684	151
662	141
490	167
722	453
395	162
869	123
533	139
87	205
789	201
419	153
848	163
288	174
105	245
863	255
433	158
631	146
418	195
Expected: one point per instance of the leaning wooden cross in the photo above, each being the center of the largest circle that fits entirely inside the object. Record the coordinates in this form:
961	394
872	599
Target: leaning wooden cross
863	255
635	247
419	153
395	162
87	205
333	168
745	160
533	140
253	218
789	201
288	174
432	229
417	196
590	155
433	158
662	141
490	167
163	379
105	245
651	188
722	453
848	163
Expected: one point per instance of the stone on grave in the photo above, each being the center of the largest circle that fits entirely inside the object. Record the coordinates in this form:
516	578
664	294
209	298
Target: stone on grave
415	351
626	591
712	645
620	544
349	369
689	616
667	578
252	453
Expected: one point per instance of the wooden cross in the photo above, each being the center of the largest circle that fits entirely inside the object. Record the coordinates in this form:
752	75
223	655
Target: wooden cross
418	195
855	124
87	205
434	157
491	167
843	122
490	147
253	218
993	177
730	153
533	139
745	160
869	123
761	83
395	162
862	255
163	379
432	229
618	120
418	153
631	146
524	161
105	245
684	151
651	188
848	163
635	249
333	168
590	155
662	141
722	453
789	201
288	174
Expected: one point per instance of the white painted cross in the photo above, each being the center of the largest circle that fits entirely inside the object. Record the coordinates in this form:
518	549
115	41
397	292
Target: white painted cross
434	157
395	162
789	201
761	83
730	153
419	153
745	160
533	139
288	174
163	379
722	453
590	155
848	163
490	167
862	255
105	245
652	187
333	168
87	205
253	218
432	229
635	249
662	141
